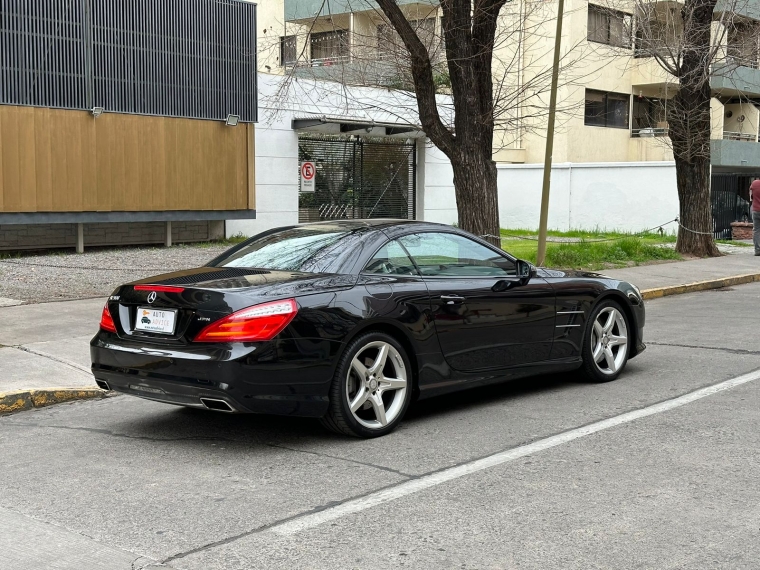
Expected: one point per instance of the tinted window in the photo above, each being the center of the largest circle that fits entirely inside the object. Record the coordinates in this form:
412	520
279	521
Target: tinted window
606	109
296	249
391	259
451	255
609	26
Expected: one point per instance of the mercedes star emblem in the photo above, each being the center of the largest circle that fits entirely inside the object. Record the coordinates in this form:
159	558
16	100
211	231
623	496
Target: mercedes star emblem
151	296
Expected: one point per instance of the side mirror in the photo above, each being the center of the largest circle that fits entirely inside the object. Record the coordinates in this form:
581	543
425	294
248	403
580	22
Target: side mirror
524	271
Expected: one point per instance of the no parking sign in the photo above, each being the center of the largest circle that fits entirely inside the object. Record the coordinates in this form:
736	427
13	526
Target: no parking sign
308	174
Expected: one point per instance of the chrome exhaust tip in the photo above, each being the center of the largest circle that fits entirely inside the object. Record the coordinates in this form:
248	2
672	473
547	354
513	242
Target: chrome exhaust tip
102	384
216	405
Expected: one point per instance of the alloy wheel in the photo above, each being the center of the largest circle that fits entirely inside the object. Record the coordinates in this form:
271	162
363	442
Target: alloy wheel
609	340
376	385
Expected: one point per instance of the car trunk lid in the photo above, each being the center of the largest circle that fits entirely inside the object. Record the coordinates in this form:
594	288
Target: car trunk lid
187	301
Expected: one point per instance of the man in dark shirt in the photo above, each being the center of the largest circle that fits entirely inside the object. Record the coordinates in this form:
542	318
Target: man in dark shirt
754	196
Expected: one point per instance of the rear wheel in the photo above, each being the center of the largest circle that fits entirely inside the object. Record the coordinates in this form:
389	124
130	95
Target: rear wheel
371	389
606	342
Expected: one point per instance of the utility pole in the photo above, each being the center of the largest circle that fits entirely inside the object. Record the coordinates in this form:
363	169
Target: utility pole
541	255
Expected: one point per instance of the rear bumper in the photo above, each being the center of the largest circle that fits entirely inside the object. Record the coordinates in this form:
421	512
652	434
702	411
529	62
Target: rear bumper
286	377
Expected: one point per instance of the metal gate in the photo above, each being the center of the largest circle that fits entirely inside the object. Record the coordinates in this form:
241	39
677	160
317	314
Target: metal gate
358	178
729	198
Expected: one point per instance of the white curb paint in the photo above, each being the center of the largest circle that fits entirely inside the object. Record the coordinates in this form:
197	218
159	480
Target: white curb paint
425	482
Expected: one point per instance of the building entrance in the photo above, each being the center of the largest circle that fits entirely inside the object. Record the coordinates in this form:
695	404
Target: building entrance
357	178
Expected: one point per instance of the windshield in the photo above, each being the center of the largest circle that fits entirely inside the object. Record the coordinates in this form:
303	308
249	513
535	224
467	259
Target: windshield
296	249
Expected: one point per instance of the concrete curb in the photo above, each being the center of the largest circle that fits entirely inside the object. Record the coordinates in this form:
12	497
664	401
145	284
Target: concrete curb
20	400
700	286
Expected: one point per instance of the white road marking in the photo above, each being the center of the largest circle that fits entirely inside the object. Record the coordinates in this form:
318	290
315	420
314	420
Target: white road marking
350	507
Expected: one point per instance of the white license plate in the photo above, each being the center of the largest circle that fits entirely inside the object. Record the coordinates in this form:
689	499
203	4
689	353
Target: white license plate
160	321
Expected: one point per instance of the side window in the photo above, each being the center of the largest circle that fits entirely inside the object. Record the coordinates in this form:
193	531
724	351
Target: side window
391	259
451	255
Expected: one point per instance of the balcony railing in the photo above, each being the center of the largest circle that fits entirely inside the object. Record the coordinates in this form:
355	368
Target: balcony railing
331	60
648	132
743	61
734	136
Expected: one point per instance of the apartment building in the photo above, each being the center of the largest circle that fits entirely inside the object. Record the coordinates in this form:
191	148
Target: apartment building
612	132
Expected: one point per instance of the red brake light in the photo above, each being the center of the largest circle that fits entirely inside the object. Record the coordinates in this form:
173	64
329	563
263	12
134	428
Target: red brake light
257	323
159	288
106	321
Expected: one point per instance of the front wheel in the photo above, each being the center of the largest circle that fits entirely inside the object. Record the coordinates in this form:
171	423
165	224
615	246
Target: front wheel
371	389
605	346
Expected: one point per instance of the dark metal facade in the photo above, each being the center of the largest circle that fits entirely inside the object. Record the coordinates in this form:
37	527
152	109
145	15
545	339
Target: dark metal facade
42	53
358	178
178	58
729	197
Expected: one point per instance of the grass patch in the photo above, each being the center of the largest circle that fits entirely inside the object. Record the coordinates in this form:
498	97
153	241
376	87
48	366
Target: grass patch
623	250
232	240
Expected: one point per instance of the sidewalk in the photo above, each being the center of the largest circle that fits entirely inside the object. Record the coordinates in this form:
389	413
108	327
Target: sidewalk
45	346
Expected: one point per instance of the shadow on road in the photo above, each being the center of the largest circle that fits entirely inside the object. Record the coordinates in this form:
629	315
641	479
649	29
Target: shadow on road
177	424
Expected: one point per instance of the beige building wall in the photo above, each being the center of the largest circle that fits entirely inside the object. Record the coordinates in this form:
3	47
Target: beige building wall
586	65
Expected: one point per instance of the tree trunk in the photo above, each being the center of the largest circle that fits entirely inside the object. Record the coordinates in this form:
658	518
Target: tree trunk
695	235
476	192
689	127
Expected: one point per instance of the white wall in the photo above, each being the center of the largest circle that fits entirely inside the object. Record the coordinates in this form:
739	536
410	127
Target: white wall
276	148
439	202
276	169
630	196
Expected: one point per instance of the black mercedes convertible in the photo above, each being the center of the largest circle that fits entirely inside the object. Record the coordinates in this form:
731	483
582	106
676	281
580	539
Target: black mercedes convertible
350	321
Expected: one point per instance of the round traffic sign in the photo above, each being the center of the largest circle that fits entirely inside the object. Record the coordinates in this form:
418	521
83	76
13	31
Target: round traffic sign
308	171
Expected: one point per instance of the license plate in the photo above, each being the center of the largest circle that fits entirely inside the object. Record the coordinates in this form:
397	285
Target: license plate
160	321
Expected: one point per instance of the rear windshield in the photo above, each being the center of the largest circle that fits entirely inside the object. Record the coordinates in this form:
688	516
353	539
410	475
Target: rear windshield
309	249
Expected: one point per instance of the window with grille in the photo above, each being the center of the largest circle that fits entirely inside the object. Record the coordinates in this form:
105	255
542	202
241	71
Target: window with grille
607	109
288	51
609	26
327	47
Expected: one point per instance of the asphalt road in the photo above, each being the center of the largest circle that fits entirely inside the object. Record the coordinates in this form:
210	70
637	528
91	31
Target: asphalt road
493	478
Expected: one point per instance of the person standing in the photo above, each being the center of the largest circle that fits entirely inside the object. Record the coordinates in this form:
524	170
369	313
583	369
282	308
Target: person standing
754	196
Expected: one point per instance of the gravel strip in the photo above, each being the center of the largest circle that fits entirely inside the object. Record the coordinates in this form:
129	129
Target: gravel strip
95	273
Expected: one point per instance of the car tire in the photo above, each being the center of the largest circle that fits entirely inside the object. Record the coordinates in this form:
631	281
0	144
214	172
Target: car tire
371	389
606	342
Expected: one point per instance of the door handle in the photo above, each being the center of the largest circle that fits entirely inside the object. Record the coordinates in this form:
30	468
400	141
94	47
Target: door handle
452	299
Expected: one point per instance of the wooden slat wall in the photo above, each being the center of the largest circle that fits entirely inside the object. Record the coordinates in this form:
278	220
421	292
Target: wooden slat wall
54	160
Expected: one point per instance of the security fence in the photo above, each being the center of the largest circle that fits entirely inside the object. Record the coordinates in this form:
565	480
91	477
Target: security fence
729	198
178	58
358	178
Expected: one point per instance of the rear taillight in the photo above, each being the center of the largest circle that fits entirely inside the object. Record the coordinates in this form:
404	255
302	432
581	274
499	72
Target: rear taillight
257	323
106	321
159	288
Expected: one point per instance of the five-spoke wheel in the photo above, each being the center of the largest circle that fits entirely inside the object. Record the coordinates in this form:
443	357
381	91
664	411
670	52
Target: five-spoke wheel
372	387
605	348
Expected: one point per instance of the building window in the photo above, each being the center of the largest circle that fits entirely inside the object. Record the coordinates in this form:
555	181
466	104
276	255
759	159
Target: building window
607	109
288	51
328	47
744	44
609	27
648	117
